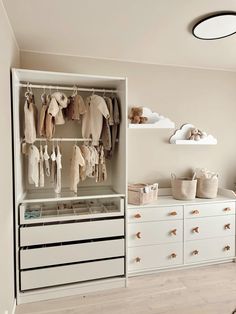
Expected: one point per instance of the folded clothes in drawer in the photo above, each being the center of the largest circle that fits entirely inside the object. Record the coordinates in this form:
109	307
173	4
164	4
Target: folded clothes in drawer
70	253
52	276
75	231
64	211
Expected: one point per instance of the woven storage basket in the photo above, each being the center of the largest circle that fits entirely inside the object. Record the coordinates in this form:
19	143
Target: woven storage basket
207	188
183	188
141	194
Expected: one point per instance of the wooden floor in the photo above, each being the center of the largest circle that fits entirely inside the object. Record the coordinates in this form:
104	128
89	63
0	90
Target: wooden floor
204	290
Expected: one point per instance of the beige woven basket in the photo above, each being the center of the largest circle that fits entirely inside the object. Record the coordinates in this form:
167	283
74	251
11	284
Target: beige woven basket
207	188
183	188
141	194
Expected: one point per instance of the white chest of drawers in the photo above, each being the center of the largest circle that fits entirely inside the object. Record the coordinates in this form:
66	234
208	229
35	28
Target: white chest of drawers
172	233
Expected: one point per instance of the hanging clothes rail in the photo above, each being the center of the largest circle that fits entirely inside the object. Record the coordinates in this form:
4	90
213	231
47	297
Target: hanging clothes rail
64	139
82	89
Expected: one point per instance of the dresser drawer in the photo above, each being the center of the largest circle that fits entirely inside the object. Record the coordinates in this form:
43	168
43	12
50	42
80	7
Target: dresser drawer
155	256
211	209
209	227
209	249
148	233
52	276
72	253
65	232
155	213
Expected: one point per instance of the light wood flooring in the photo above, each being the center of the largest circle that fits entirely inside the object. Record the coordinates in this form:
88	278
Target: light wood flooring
202	290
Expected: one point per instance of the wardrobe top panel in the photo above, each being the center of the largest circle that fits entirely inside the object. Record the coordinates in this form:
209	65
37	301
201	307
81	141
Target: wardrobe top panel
70	79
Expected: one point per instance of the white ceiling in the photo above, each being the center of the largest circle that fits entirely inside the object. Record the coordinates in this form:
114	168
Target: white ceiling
149	31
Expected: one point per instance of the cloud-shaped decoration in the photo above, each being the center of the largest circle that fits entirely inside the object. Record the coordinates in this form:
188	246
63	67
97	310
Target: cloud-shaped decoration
155	119
180	135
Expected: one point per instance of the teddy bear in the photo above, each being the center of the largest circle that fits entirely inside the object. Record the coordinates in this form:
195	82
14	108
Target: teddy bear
136	115
195	134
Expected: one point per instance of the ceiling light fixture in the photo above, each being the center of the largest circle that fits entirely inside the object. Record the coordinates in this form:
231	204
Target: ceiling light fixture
215	26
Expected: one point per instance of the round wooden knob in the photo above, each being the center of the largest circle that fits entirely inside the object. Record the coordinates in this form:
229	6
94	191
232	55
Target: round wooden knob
227	248
195	230
173	255
137	215
173	232
195	212
138	235
173	213
227	226
195	252
137	259
227	209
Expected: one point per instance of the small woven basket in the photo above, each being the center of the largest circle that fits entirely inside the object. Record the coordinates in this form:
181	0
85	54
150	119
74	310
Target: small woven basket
183	188
207	188
141	194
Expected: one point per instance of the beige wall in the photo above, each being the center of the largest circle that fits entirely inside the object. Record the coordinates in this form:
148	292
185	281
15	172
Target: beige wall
204	98
9	56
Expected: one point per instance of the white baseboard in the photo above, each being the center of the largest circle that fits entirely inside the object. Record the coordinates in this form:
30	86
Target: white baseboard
14	307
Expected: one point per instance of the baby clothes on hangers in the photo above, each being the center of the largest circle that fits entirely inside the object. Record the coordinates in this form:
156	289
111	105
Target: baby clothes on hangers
92	121
75	108
46	159
30	114
42	116
76	161
33	165
115	126
85	151
106	128
58	102
101	173
53	164
49	121
41	167
58	171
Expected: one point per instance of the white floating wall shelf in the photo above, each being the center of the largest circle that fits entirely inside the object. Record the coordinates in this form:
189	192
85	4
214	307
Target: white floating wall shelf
180	137
155	121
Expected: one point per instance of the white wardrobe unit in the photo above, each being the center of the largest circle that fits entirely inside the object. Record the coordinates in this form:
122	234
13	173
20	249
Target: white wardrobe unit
76	242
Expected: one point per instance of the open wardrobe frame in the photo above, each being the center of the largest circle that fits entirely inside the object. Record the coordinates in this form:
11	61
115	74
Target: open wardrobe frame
79	236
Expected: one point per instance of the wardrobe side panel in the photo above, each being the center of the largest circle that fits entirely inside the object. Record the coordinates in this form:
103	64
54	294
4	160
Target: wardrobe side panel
18	158
119	159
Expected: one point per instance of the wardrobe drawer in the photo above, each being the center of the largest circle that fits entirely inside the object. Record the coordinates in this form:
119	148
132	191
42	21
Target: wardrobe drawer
52	276
65	254
155	213
209	227
71	232
148	233
209	249
211	209
155	256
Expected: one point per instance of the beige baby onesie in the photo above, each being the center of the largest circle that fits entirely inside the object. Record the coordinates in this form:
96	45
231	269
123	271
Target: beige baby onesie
76	161
33	165
58	171
30	112
92	121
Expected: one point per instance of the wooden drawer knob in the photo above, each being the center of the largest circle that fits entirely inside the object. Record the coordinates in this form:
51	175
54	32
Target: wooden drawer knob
195	252
137	216
195	230
173	213
173	255
173	232
137	259
227	226
195	212
227	209
138	235
227	248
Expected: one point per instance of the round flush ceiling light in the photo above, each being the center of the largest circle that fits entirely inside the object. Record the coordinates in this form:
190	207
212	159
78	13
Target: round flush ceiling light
216	26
